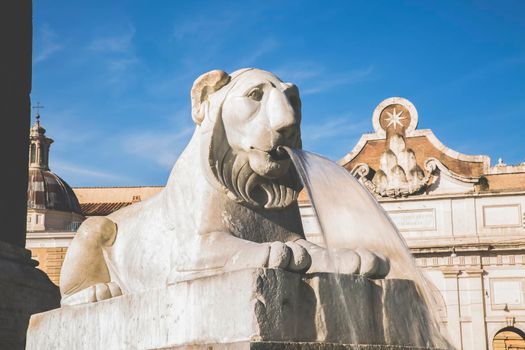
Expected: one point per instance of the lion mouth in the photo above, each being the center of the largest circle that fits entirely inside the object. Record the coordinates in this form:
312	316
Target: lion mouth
279	153
270	164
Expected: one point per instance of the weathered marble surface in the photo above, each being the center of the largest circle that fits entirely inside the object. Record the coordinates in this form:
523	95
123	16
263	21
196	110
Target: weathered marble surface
263	345
229	204
246	309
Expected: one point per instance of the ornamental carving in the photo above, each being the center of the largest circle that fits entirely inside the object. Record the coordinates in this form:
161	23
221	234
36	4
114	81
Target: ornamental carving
398	173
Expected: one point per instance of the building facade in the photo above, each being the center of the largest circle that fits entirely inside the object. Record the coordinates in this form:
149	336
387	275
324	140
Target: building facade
462	219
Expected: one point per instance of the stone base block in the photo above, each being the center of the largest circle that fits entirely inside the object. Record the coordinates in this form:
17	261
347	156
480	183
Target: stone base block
24	290
248	309
266	345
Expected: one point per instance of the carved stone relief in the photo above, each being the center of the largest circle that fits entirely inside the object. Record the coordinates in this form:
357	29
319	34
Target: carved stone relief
398	173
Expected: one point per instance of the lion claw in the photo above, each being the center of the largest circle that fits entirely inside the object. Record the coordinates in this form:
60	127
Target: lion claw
289	256
276	255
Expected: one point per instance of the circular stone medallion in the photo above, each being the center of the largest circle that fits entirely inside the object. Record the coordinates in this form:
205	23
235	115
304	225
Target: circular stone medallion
394	115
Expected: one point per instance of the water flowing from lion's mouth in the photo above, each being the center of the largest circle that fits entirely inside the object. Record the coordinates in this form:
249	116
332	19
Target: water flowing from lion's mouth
350	217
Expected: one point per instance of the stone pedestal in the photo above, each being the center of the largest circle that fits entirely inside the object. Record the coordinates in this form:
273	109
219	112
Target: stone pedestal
249	309
24	290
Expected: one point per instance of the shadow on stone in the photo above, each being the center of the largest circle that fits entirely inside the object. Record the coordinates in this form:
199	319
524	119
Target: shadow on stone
247	309
24	290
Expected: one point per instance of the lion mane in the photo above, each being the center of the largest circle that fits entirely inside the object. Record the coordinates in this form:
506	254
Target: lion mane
232	170
243	185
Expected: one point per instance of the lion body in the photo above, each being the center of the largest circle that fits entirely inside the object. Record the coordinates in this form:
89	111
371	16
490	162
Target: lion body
230	202
158	238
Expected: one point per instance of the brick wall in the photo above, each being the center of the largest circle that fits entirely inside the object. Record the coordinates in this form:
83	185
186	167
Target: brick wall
50	261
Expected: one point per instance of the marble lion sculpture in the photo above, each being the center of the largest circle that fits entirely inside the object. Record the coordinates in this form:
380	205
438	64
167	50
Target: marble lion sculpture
229	204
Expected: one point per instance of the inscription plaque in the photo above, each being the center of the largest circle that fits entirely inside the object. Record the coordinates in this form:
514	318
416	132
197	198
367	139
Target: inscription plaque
414	220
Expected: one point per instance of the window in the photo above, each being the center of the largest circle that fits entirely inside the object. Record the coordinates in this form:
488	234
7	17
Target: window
33	153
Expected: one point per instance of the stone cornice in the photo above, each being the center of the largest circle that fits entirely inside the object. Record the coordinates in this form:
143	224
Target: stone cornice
449	196
445	247
471	263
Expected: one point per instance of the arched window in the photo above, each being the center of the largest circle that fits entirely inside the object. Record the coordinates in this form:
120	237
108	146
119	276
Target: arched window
44	155
509	338
33	153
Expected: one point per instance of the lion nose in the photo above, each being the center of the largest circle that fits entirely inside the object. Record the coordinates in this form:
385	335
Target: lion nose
289	135
283	118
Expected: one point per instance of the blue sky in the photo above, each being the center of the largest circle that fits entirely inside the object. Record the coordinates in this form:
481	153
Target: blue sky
114	76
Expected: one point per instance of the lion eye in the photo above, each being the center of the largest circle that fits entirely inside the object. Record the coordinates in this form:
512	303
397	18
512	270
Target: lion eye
256	94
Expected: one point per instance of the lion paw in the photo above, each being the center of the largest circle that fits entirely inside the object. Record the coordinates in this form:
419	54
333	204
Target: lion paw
105	291
278	255
372	265
92	294
360	262
346	261
289	256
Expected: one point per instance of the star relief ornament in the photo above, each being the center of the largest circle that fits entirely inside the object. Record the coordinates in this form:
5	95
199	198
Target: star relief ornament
395	119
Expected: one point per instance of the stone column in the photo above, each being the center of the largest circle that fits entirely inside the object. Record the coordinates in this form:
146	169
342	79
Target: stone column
477	308
15	68
24	290
451	296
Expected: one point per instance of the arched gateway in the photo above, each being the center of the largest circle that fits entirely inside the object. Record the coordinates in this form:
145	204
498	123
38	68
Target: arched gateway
509	338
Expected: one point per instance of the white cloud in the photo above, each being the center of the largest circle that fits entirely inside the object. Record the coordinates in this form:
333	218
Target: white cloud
74	172
331	127
116	43
117	53
46	43
299	72
121	65
339	79
264	47
334	136
203	27
313	78
68	127
160	147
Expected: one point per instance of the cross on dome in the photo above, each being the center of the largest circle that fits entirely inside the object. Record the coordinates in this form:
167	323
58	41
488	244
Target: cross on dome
38	106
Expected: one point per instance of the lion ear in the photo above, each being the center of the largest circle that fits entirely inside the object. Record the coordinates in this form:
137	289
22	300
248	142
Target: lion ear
204	86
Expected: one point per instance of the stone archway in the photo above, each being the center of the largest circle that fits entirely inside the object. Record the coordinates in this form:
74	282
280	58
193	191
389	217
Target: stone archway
509	338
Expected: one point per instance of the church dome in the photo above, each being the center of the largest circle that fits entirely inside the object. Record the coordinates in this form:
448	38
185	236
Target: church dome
46	190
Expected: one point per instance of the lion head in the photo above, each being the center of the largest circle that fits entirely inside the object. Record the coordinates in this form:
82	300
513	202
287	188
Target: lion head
245	117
